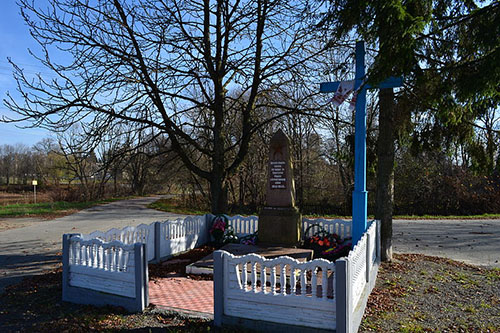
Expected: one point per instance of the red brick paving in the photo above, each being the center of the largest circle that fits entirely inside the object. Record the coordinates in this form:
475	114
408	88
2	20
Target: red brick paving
183	294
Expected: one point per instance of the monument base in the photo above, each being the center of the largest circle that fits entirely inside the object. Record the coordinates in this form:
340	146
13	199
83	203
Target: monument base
280	226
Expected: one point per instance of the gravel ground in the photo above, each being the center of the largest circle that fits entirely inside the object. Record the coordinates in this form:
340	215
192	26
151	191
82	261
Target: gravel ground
418	293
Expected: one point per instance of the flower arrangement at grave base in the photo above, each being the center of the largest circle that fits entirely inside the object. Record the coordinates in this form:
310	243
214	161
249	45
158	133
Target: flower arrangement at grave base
219	228
223	233
230	236
249	239
327	245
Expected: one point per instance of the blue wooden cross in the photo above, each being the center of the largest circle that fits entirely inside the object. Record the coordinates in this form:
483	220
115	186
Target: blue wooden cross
360	195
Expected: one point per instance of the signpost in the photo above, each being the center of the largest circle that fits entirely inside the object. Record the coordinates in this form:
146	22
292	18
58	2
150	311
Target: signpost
34	183
360	195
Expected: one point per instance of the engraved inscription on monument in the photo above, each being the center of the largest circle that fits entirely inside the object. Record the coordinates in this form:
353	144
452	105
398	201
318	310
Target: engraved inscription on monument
278	175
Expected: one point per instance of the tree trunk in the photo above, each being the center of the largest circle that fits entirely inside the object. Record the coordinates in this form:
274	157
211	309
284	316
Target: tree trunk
115	181
218	193
385	170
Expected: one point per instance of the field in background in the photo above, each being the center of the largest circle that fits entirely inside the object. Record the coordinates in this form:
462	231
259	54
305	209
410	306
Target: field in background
48	204
23	198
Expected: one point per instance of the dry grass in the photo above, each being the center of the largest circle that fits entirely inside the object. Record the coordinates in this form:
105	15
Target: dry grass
7	198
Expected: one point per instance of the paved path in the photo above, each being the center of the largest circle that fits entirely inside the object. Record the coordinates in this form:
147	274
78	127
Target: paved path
35	248
183	294
472	241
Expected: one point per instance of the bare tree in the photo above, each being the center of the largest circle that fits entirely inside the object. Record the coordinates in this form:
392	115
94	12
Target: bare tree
170	65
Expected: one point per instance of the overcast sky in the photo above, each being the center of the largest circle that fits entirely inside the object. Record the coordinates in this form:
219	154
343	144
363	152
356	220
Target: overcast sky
14	43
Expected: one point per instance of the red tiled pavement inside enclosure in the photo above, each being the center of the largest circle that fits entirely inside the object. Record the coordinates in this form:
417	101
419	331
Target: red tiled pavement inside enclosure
183	294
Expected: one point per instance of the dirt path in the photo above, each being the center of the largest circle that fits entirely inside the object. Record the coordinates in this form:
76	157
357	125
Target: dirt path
36	246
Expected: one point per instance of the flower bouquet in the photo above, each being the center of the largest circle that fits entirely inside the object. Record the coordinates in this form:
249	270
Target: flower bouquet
326	245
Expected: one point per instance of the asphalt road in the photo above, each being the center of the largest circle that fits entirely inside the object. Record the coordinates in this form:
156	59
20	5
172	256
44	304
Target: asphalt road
36	247
472	241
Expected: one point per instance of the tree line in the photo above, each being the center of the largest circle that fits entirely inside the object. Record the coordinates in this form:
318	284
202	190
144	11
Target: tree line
72	170
453	180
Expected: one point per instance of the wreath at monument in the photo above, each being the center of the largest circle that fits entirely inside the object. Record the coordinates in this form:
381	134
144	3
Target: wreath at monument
219	228
223	233
325	244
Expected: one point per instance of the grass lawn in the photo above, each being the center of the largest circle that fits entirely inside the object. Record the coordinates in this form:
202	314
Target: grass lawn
48	209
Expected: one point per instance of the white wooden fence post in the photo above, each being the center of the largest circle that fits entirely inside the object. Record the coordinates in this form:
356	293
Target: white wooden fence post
377	237
141	276
218	287
157	242
65	264
368	260
343	295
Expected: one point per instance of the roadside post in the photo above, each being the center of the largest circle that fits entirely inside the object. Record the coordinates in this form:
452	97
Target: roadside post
34	183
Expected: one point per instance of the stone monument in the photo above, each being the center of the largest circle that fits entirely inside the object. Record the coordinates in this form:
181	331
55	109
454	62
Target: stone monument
280	221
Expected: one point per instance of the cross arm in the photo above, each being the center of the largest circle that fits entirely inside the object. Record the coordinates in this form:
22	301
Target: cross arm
391	82
326	87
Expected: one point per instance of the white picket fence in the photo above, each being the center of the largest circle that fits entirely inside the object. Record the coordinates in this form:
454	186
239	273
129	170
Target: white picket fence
362	259
167	238
162	239
182	234
256	288
340	227
107	267
111	268
98	272
356	276
244	225
143	233
239	294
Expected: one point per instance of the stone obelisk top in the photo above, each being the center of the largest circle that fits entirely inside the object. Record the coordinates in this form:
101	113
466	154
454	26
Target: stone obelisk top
280	184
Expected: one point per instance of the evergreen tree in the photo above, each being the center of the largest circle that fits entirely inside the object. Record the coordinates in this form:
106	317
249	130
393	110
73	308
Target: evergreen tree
448	52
